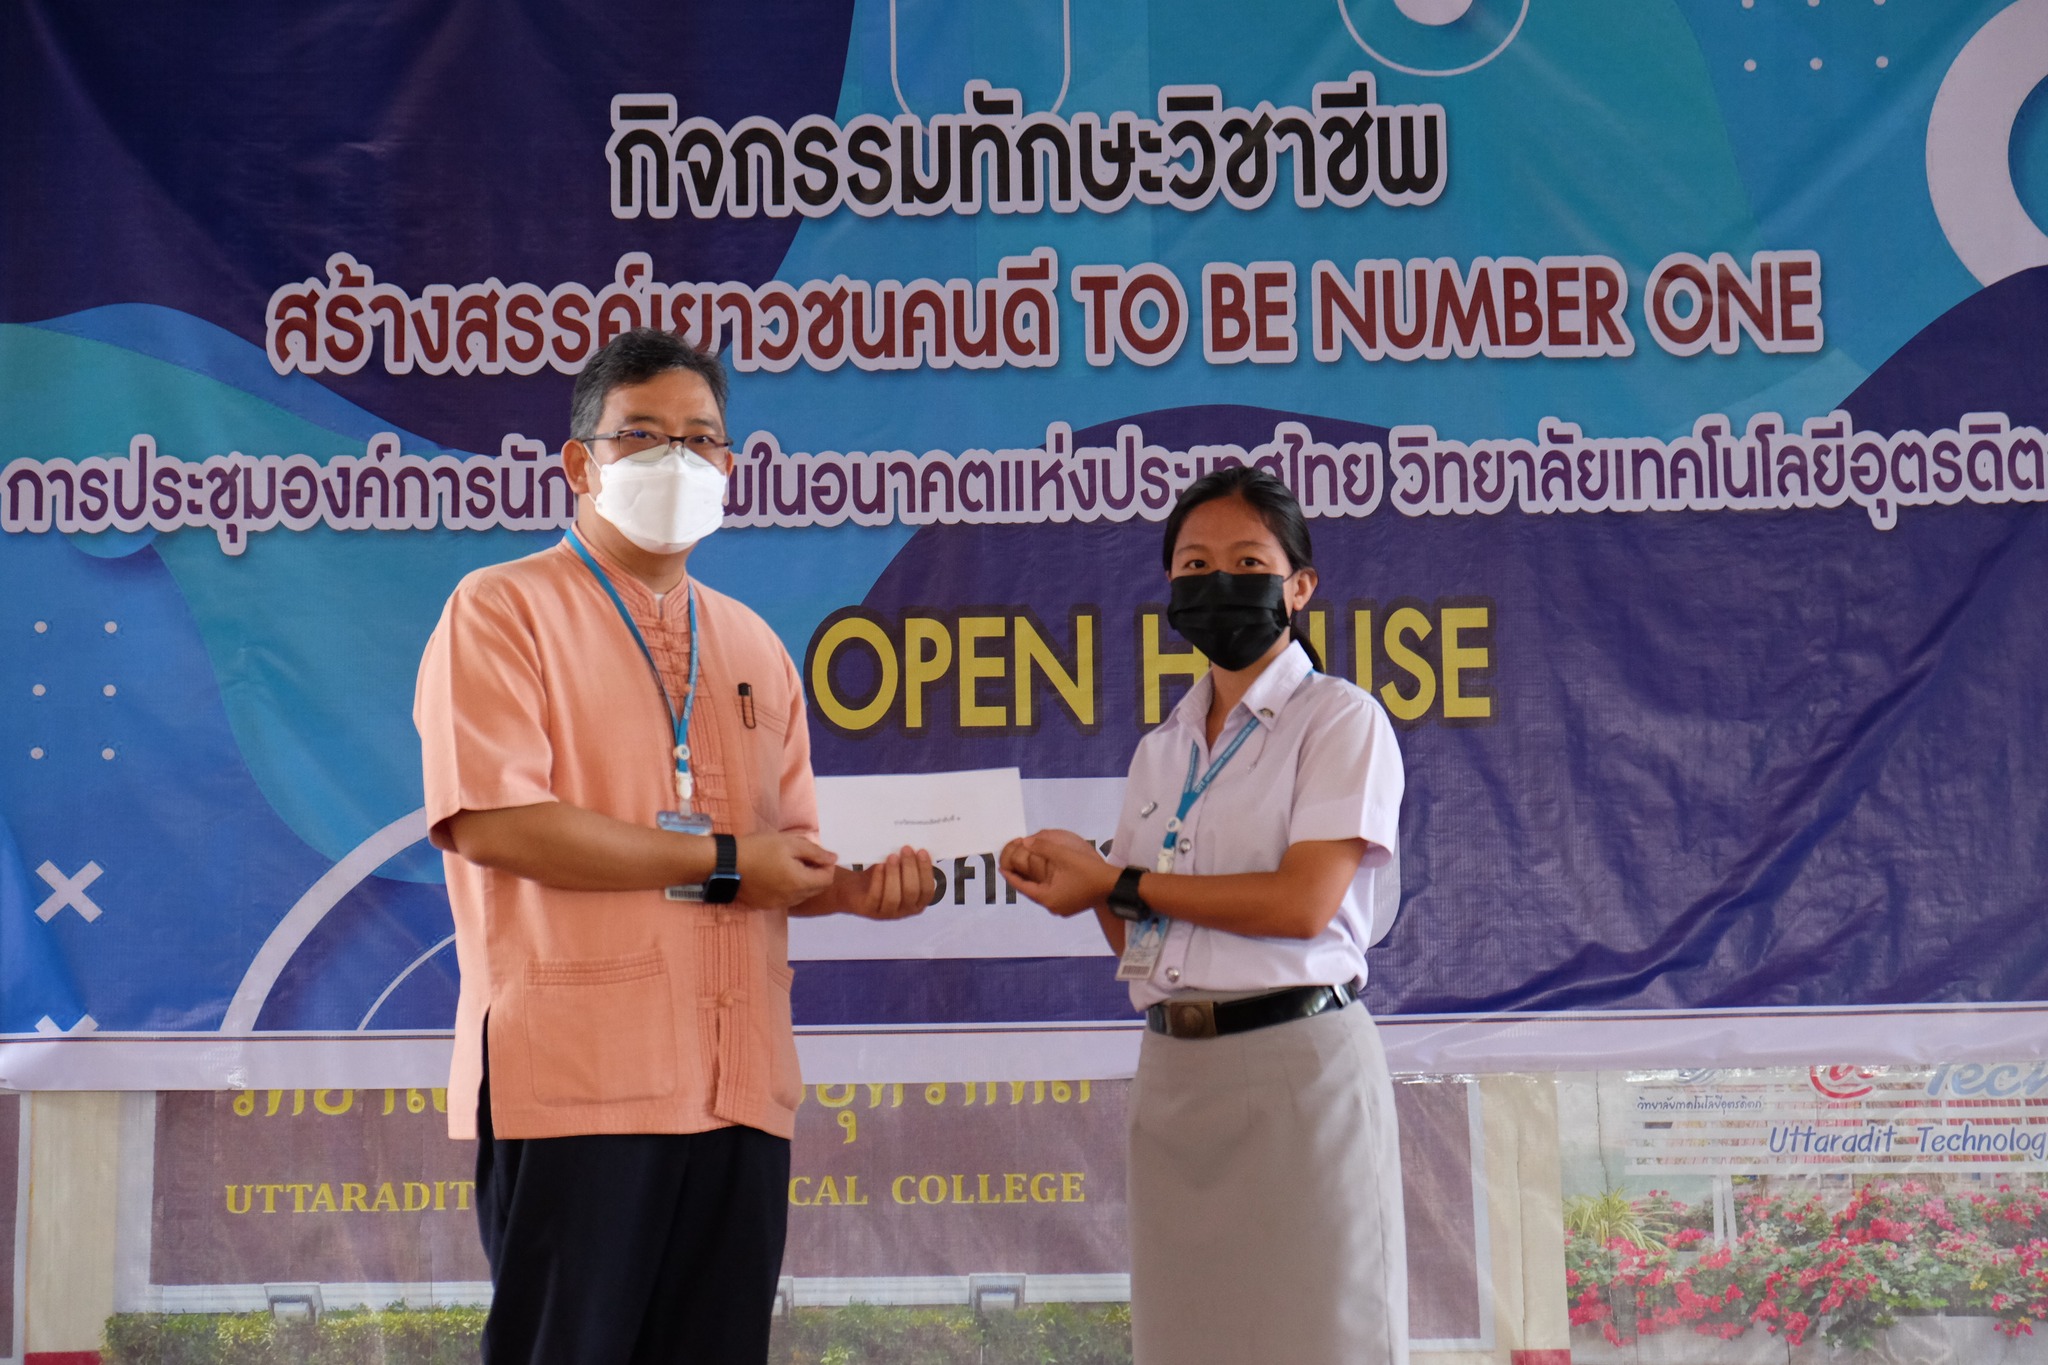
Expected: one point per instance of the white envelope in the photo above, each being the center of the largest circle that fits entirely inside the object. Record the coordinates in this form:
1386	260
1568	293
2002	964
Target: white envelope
976	916
954	815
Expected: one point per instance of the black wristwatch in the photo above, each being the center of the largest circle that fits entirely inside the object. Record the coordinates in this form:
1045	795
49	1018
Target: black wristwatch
724	882
1124	900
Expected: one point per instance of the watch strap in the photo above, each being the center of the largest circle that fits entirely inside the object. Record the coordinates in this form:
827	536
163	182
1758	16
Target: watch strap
1124	900
724	882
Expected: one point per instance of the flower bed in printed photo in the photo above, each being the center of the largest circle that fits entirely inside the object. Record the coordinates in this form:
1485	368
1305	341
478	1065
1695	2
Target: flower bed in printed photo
1925	1270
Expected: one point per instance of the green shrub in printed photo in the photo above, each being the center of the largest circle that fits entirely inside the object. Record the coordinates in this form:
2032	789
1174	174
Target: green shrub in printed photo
397	1336
863	1334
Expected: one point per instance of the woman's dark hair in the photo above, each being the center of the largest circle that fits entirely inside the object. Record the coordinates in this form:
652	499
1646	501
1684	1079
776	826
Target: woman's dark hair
1276	507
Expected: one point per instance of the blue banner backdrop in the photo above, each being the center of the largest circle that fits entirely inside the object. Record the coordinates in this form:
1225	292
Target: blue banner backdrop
1666	381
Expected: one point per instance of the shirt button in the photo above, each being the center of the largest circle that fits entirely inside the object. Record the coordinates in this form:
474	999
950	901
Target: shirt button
728	998
1173	974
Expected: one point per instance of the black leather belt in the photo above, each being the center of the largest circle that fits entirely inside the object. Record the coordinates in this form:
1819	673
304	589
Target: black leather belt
1213	1018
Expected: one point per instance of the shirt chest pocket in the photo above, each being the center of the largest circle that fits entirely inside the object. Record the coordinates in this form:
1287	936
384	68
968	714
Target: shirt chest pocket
755	724
1241	823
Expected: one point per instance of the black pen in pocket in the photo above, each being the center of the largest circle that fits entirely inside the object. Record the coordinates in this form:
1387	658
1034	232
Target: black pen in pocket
747	705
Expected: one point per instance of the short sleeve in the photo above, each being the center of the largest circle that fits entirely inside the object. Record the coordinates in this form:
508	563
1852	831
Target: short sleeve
1349	781
480	708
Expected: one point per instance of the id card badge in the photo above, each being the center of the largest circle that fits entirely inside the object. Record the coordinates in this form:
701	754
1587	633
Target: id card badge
1144	941
683	822
679	822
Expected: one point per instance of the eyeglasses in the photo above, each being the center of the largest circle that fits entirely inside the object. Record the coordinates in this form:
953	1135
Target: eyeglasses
646	447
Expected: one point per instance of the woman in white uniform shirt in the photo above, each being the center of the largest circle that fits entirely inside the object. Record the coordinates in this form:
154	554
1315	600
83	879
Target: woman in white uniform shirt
1265	1187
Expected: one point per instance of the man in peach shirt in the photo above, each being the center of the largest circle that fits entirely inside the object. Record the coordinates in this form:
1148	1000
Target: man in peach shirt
618	772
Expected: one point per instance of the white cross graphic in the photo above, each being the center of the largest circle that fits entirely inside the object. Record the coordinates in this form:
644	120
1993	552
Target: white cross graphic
70	892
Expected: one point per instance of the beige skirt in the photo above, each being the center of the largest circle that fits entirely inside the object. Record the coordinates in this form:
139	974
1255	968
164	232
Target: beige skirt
1265	1198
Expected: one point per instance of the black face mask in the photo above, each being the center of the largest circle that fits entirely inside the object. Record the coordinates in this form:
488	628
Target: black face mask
1234	618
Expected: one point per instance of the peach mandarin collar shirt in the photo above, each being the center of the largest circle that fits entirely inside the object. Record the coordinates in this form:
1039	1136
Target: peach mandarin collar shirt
611	1011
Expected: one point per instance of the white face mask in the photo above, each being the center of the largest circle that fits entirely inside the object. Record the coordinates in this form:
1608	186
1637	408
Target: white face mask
662	507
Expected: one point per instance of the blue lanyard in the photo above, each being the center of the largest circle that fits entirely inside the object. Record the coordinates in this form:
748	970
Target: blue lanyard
685	786
1191	790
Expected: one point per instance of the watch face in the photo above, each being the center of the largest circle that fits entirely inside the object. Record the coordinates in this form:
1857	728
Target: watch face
721	887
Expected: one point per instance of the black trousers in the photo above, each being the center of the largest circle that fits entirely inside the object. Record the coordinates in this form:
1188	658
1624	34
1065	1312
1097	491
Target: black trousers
631	1249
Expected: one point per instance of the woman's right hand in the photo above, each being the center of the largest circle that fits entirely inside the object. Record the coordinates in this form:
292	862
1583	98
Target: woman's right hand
1058	869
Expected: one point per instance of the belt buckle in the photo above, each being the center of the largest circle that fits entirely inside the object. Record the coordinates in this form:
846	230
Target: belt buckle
1191	1018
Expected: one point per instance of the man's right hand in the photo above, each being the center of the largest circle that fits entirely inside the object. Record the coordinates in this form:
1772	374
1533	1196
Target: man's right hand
778	871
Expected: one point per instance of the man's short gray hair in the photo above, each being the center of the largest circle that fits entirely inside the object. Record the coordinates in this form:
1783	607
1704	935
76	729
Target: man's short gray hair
634	358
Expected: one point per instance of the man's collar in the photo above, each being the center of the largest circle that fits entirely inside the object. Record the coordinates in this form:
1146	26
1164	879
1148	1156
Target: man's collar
628	584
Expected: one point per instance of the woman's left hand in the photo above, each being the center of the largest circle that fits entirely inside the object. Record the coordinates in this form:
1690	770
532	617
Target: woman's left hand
1058	869
899	886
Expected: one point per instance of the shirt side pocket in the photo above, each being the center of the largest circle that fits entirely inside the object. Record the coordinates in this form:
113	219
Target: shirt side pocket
601	1030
